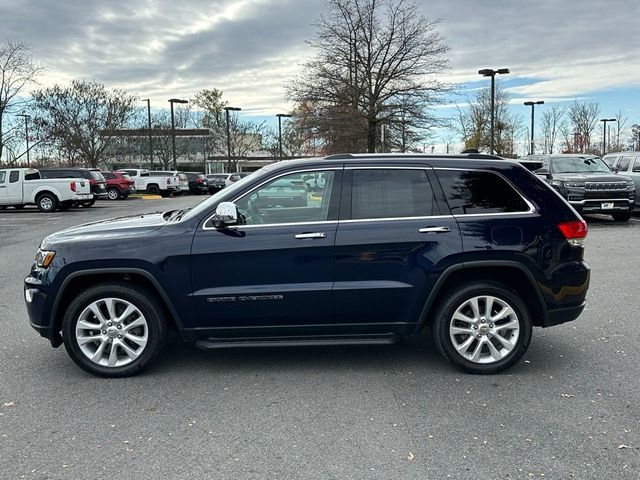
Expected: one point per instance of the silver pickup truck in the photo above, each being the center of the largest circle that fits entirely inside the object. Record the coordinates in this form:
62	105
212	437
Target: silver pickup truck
24	186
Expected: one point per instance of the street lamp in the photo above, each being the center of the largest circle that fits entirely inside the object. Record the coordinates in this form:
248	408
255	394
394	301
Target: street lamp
280	115
604	134
26	133
226	111
173	130
489	72
149	130
533	106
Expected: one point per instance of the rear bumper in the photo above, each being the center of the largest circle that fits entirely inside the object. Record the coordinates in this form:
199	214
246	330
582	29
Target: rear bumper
563	315
83	197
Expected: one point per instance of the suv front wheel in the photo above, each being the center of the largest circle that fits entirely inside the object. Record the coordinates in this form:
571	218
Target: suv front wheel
483	328
114	329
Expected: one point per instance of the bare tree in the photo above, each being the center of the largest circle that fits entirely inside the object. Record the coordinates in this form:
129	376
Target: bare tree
369	54
584	117
551	119
17	73
74	118
474	122
621	121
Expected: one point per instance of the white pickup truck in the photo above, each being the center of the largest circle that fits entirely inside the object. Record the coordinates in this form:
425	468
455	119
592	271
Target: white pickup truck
24	186
154	184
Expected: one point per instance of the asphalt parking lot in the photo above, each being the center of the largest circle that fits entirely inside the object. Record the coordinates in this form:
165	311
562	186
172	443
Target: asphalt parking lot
571	409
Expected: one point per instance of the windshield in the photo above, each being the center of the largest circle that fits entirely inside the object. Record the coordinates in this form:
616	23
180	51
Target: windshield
227	192
578	165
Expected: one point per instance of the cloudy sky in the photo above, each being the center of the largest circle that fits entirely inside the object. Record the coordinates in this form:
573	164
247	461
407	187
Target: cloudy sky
557	50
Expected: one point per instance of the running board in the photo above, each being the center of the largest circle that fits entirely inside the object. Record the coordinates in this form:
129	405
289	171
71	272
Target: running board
298	341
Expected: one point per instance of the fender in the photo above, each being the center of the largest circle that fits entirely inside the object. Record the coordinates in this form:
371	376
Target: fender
470	266
45	188
96	271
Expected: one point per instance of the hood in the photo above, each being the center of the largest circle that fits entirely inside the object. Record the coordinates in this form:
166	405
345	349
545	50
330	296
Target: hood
590	177
108	229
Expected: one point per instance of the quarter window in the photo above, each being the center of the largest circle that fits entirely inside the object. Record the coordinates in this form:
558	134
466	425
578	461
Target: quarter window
295	198
391	193
471	192
14	176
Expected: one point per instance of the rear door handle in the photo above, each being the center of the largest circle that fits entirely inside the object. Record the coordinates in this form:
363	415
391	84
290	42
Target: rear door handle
303	236
434	230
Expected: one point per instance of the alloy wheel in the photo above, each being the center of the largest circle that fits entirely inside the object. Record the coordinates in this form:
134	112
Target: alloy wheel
484	329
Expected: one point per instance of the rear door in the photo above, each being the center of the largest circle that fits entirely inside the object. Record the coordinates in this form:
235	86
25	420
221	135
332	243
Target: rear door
394	239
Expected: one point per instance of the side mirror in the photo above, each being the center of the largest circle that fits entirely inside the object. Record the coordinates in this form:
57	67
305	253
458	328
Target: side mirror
226	214
614	169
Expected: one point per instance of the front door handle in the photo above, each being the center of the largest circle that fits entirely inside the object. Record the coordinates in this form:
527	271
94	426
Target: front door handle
303	236
434	230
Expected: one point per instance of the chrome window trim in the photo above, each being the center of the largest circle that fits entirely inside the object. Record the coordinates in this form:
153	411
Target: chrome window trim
532	208
393	219
308	169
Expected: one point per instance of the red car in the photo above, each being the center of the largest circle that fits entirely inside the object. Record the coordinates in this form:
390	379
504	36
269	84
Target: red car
119	185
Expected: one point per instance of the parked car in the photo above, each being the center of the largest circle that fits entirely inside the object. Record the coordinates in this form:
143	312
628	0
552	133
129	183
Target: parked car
216	181
183	182
24	186
119	185
627	164
480	251
198	183
94	176
283	193
590	185
234	177
163	185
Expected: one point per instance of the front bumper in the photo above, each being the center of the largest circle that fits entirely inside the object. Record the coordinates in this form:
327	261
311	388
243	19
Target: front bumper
36	302
603	205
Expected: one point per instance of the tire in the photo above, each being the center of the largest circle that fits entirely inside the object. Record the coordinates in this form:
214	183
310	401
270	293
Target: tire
113	193
622	216
3	207
18	207
46	202
153	190
484	331
150	333
165	194
88	203
64	206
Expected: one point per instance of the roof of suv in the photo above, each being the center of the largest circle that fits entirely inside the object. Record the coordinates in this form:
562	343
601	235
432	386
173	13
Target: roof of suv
436	160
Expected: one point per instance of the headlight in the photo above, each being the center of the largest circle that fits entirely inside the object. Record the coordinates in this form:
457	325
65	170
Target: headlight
44	258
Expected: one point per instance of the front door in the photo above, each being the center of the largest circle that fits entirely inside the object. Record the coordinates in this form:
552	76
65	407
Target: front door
392	243
14	187
275	268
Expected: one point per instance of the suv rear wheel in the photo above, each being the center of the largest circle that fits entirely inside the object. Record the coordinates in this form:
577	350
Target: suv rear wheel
113	193
483	328
114	329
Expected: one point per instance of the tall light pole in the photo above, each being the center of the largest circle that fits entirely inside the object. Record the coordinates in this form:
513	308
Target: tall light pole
533	107
604	134
26	134
489	72
173	130
149	130
280	115
226	111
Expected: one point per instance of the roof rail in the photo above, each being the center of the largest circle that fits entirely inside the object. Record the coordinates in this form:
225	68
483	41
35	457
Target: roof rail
478	156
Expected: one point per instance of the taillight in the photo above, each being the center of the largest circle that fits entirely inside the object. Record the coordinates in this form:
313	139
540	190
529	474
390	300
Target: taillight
575	232
72	186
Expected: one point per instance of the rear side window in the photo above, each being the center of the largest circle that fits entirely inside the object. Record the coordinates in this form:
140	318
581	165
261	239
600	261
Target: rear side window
391	193
623	166
14	176
108	176
471	192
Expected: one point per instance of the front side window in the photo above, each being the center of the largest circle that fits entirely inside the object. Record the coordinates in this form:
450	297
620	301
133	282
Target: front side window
14	176
636	165
623	166
292	198
391	193
472	192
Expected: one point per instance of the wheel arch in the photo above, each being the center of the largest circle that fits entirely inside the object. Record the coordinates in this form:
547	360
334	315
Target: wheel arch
510	273
83	279
41	191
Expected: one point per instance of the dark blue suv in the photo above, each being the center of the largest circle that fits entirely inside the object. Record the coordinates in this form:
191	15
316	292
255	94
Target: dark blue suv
475	247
